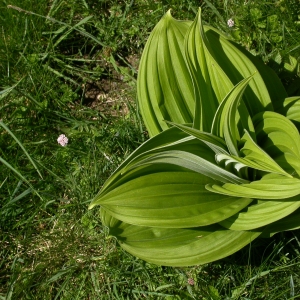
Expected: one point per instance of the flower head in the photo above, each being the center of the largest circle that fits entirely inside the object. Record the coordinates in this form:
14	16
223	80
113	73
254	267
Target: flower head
230	23
62	140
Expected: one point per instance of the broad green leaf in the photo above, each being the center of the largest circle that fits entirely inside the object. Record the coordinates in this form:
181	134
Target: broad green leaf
257	158
291	109
291	222
216	65
290	163
164	85
190	153
172	136
261	214
238	64
240	165
190	161
233	164
224	123
177	246
210	81
291	64
271	186
167	201
200	159
237	67
170	199
276	134
186	85
217	144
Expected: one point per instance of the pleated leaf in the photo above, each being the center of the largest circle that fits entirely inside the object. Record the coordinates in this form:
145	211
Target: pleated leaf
290	163
187	69
216	143
200	62
185	197
257	158
170	199
216	65
191	162
238	64
276	134
269	187
164	86
170	149
172	137
225	124
177	246
233	164
291	222
261	214
291	109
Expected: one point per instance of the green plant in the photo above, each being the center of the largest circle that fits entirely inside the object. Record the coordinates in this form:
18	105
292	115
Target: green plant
269	30
226	173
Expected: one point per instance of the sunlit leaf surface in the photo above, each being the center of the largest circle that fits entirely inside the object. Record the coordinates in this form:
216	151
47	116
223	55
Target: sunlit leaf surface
222	166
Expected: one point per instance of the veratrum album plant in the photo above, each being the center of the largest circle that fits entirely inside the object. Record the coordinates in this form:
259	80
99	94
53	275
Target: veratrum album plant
222	165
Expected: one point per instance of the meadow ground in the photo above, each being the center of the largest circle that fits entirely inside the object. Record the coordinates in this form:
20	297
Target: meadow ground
70	67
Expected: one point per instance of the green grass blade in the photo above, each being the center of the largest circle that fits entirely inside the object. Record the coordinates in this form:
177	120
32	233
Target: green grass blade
19	175
22	147
64	36
82	32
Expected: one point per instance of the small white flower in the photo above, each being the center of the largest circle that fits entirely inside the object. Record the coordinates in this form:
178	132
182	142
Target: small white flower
62	140
230	23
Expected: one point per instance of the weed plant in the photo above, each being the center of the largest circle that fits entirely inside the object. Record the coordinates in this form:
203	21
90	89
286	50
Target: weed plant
69	67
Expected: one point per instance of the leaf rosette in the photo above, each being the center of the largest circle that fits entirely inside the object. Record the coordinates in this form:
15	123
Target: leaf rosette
222	165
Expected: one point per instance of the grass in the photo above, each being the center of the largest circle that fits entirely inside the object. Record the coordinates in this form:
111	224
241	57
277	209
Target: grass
70	67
